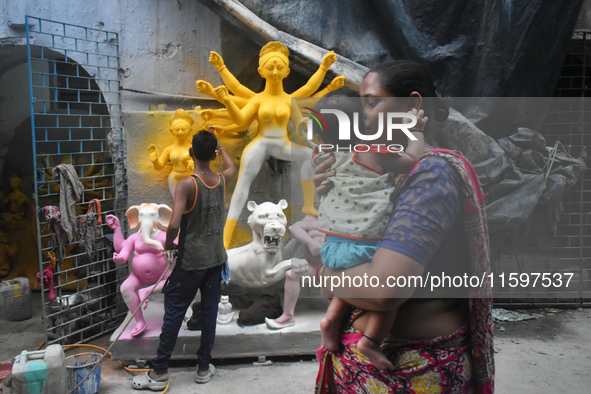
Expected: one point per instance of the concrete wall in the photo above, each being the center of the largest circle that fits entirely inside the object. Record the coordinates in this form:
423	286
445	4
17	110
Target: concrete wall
164	45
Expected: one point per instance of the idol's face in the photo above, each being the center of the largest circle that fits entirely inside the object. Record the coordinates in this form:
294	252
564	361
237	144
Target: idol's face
274	70
180	128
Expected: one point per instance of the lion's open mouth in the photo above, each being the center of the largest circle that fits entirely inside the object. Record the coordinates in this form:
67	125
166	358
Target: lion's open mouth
272	240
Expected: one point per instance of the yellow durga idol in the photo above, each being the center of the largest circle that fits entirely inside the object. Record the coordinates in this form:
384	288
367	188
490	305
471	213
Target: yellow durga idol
271	108
181	127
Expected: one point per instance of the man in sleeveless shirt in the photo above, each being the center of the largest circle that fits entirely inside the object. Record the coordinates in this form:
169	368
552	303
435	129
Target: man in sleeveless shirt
199	214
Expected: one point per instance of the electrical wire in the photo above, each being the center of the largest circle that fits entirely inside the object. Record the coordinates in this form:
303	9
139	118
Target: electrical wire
131	370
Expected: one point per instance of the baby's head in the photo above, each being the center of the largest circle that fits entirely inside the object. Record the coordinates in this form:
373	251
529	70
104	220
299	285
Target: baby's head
204	145
347	101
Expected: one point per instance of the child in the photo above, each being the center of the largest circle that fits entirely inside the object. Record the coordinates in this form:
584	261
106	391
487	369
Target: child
351	213
198	212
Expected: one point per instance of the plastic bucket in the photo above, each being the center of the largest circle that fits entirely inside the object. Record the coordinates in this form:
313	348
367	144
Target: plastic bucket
80	365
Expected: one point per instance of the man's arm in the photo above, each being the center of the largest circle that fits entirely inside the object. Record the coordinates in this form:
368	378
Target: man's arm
181	196
230	168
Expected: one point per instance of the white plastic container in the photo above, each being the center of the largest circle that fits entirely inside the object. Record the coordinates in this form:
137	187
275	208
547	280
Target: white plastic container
40	372
15	299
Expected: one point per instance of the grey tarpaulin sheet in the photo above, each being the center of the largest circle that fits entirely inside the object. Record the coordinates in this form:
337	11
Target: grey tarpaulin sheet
512	171
474	48
488	48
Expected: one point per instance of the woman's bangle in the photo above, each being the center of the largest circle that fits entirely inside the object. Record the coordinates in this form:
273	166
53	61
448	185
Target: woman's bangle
219	150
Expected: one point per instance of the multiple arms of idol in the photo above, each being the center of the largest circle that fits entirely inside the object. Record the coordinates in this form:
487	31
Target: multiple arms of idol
242	95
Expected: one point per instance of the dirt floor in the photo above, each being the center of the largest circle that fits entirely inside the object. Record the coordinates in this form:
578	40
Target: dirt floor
550	353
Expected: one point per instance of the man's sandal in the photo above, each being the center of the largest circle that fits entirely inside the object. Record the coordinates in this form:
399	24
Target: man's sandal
143	382
207	377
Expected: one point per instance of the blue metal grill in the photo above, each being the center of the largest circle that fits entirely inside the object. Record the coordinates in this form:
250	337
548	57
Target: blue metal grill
76	119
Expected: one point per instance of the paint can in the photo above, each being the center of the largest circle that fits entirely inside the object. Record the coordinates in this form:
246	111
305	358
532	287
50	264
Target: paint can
78	367
41	372
15	299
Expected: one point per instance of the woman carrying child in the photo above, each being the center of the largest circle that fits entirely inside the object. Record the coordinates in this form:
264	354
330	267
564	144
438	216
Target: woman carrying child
441	340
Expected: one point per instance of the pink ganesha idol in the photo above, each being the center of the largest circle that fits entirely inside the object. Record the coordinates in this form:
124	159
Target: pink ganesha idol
149	261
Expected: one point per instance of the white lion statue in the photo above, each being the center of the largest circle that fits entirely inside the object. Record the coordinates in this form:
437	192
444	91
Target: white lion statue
266	259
